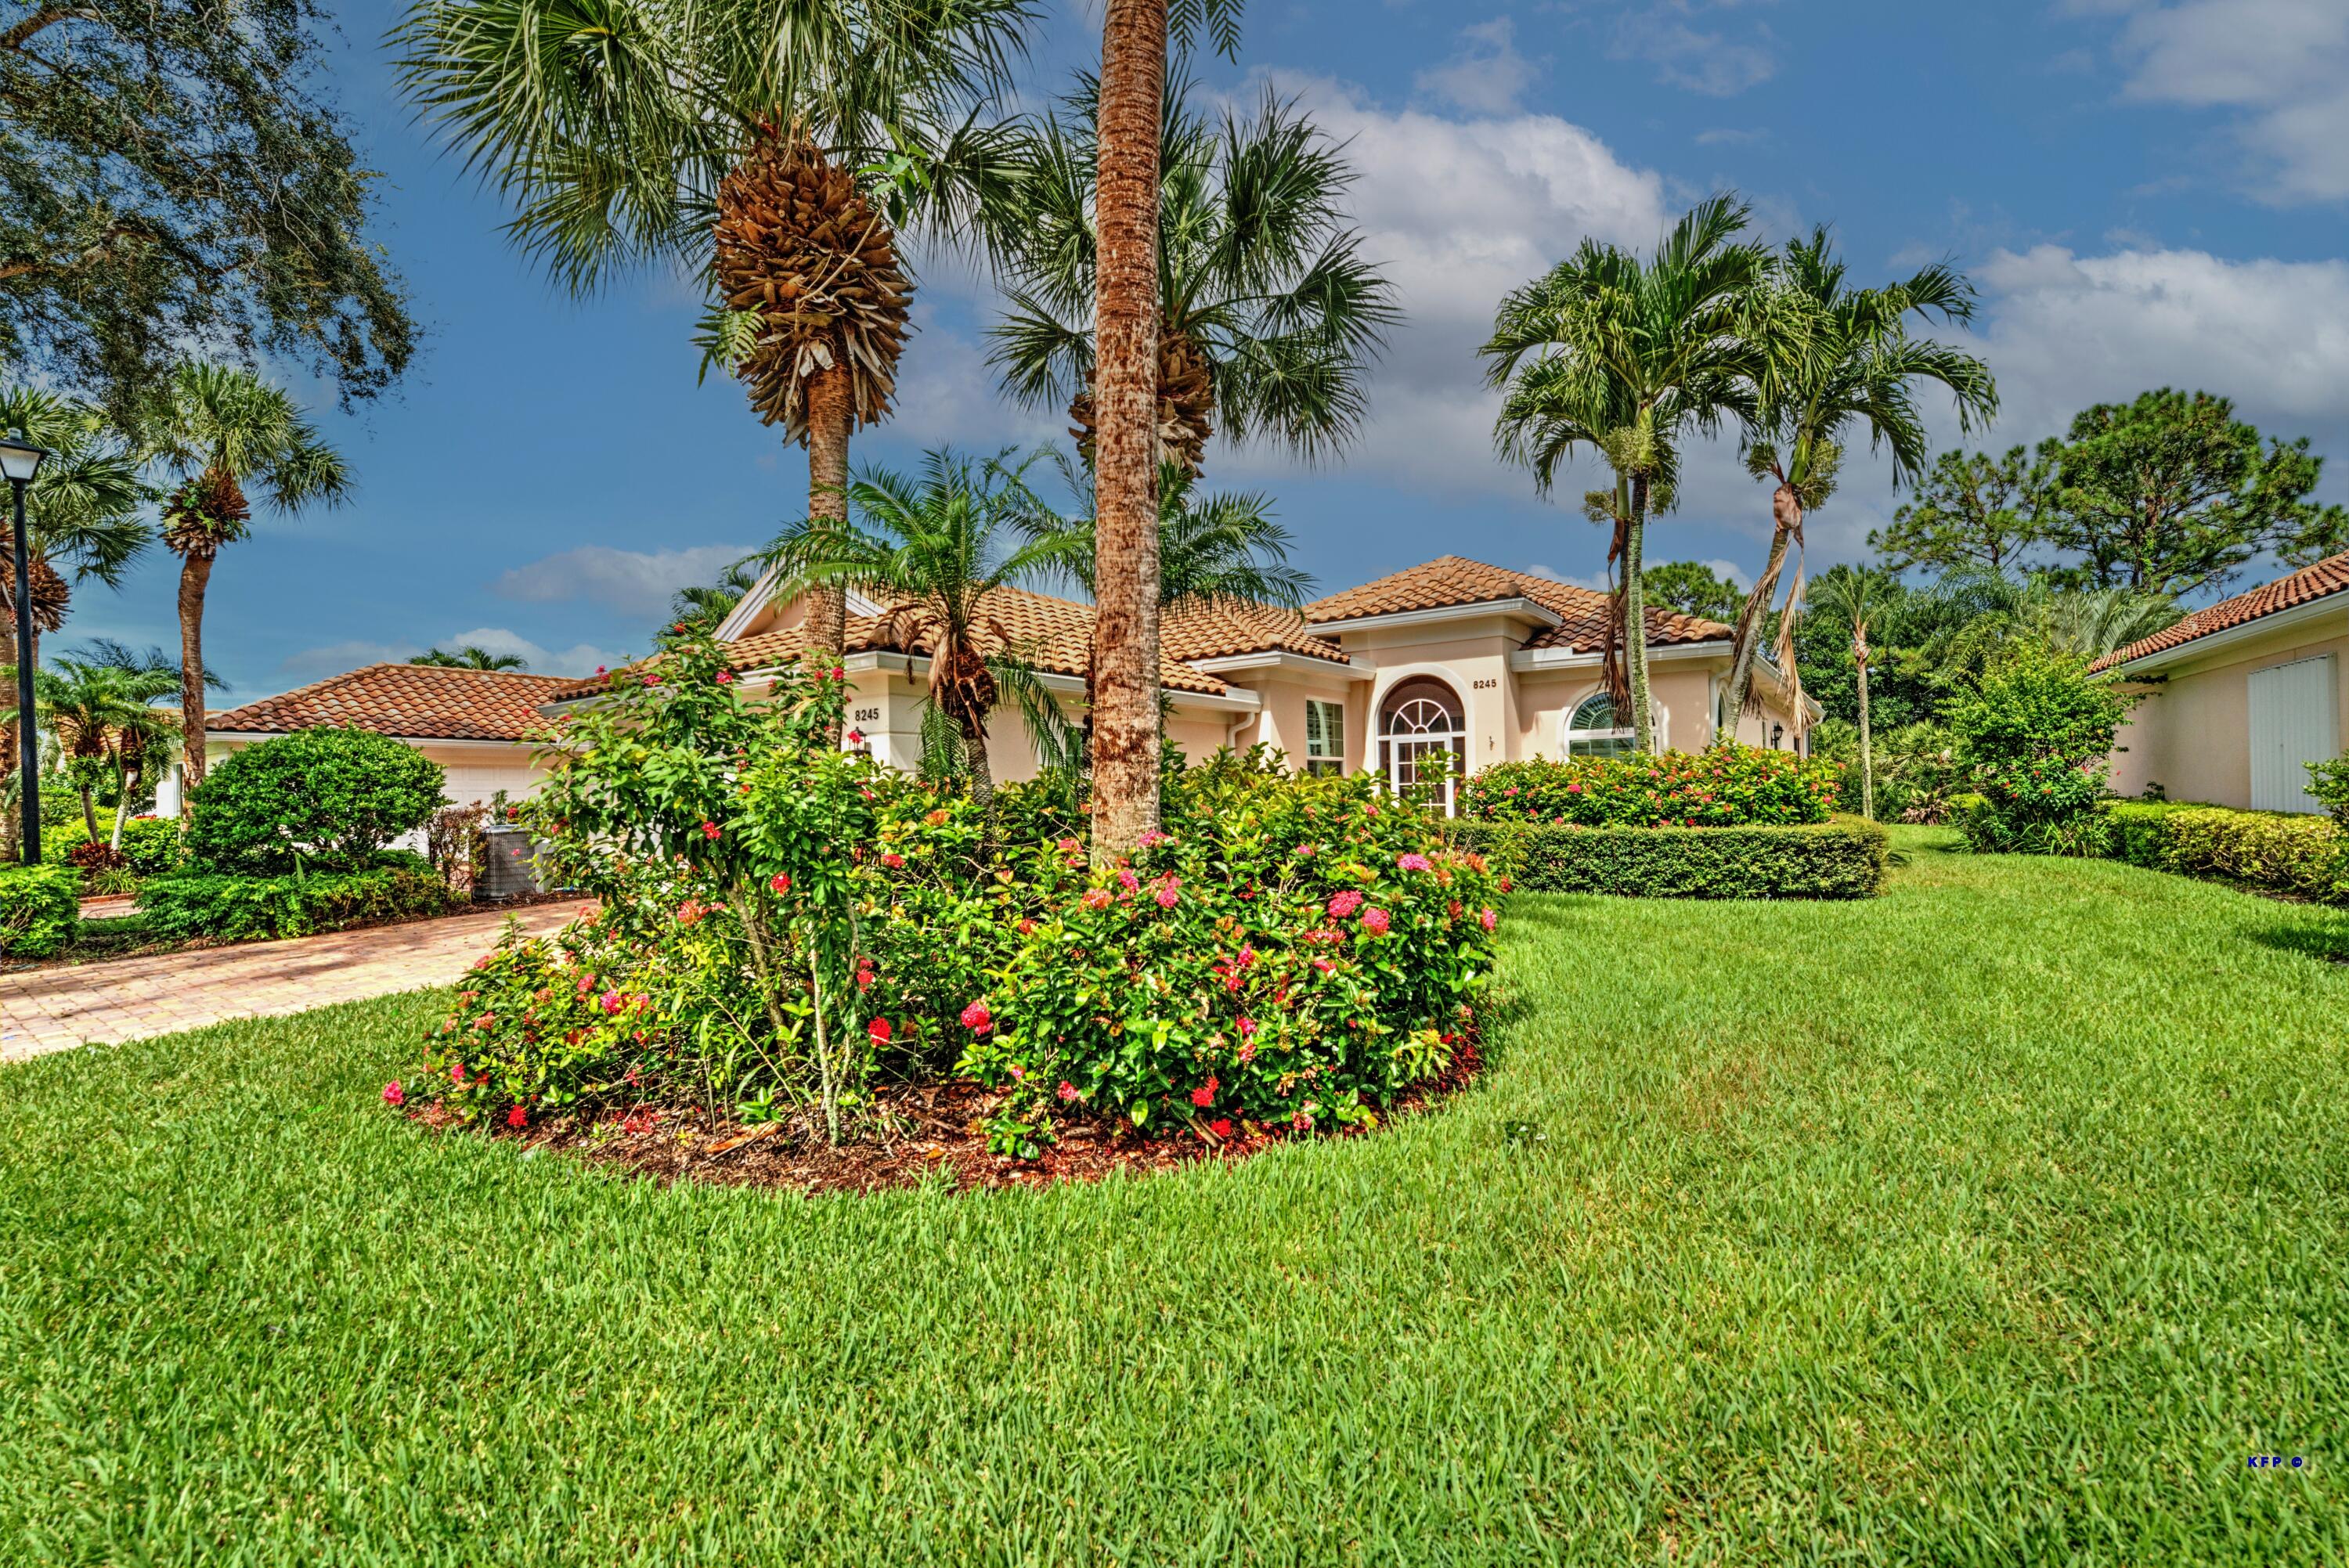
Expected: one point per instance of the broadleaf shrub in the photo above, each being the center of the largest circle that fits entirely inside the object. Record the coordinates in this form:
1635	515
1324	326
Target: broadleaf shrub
227	907
2035	735
1843	857
317	799
2305	856
2328	783
151	844
40	909
1725	786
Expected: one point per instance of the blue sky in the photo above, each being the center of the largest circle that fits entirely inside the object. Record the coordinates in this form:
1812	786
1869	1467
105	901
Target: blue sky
2145	193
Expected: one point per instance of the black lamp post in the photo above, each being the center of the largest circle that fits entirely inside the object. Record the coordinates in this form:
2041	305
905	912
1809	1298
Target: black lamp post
19	462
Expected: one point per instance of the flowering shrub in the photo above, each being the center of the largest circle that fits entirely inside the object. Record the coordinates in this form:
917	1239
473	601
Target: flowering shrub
2036	736
1724	787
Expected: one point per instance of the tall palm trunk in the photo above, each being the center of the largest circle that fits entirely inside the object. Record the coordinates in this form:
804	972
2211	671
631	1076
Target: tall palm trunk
1125	494
974	757
89	810
195	577
1635	620
830	409
1867	749
1786	515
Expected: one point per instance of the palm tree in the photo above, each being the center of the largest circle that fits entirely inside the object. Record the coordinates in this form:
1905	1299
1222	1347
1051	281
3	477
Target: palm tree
472	657
1220	547
933	550
90	709
144	740
1625	358
1857	597
713	602
1834	356
223	428
1130	123
772	151
1974	613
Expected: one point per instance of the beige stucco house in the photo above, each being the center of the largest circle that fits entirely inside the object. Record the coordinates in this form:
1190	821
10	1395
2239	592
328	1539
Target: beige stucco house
2237	699
1453	662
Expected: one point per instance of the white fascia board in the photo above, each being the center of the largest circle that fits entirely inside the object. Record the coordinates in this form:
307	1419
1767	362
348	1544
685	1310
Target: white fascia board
1525	608
1353	669
747	608
464	744
916	667
1570	659
2333	603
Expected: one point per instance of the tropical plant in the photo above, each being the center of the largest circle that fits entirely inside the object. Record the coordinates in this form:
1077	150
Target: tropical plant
1832	358
772	151
97	714
223	430
2036	733
712	603
1625	358
1223	546
315	799
935	550
143	748
84	512
471	657
1853	599
1988	611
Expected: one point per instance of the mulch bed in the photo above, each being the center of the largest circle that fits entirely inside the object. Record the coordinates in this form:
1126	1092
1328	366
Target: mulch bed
932	1137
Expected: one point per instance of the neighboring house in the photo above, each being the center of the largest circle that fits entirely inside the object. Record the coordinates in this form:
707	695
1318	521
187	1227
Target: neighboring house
1450	662
2239	697
475	723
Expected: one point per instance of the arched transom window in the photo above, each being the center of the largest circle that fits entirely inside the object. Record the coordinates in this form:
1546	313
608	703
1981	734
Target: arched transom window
1594	729
1422	735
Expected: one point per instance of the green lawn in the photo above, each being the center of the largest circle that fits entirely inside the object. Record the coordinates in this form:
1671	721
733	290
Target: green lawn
1998	1219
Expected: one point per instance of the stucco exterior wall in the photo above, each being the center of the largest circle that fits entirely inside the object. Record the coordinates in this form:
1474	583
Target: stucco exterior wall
476	770
2191	733
1280	722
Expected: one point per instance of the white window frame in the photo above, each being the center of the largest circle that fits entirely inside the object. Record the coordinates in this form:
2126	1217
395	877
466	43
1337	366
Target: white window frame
1660	717
1331	754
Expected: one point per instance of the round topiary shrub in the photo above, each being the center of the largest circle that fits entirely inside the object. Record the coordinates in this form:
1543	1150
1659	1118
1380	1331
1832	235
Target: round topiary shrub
319	799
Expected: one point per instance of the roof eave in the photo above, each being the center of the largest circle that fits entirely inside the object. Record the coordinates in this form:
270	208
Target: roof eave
2289	616
1530	609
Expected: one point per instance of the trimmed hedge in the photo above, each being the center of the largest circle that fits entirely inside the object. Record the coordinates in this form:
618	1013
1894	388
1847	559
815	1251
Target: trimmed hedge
1843	857
2305	856
229	908
40	909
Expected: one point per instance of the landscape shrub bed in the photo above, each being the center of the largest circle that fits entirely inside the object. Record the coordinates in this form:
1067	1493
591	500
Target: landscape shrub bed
2307	857
40	909
1726	786
784	926
227	907
330	797
1841	858
2035	736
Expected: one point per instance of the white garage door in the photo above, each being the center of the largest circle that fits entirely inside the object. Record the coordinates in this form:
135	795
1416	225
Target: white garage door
2292	726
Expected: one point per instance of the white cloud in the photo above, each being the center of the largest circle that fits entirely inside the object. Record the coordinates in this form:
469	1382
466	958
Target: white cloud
2282	64
632	582
1712	63
1486	74
579	659
335	658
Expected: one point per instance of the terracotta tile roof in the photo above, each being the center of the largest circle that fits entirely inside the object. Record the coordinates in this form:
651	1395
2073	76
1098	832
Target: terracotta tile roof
1453	581
1223	628
2330	575
418	701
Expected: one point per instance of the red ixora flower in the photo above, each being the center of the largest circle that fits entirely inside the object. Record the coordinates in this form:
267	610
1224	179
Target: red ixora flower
1221	1127
855	738
879	1031
1344	903
1248	1028
393	1094
1374	921
1068	846
1204	1094
1097	898
780	882
711	830
1068	1092
976	1019
893	861
724	677
457	1074
652	680
517	1117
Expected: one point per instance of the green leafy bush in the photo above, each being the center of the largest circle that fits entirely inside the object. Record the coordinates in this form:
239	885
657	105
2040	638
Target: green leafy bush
317	799
40	909
2328	783
2305	856
1841	858
227	907
2035	735
1727	786
151	844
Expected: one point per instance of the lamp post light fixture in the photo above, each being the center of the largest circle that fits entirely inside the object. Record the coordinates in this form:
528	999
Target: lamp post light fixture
20	461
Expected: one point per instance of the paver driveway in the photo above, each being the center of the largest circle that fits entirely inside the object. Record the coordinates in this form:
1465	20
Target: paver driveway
43	1010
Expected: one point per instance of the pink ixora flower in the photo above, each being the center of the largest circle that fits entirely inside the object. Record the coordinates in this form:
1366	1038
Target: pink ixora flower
609	1001
1127	880
1167	896
1486	918
1068	846
879	1031
724	677
517	1117
1415	862
457	1074
893	861
1248	1028
976	1019
1374	920
1344	903
1154	837
652	680
1068	1092
711	830
1324	965
1097	898
393	1094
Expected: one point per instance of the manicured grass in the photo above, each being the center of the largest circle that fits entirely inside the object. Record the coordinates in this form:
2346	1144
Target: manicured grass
1998	1219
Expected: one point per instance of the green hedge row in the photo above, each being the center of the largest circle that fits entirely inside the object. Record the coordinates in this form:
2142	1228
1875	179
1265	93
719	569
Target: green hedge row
40	909
2305	856
228	908
1843	857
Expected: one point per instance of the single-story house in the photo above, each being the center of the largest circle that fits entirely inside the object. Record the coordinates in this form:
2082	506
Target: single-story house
1452	662
2239	697
474	723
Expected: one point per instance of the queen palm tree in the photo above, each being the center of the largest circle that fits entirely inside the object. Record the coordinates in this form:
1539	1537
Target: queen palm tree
222	429
933	550
1835	358
1856	598
471	657
1624	358
773	151
1131	121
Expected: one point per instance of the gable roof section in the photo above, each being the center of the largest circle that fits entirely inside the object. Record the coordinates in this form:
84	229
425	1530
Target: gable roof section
1223	628
416	702
2328	576
1455	582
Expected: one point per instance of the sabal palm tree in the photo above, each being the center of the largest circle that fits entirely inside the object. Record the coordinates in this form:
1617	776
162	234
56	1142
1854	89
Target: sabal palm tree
222	430
85	511
1131	121
1222	546
471	657
1625	358
713	602
1857	598
1834	358
773	151
934	548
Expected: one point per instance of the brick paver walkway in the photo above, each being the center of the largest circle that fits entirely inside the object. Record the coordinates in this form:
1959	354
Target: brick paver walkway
43	1010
